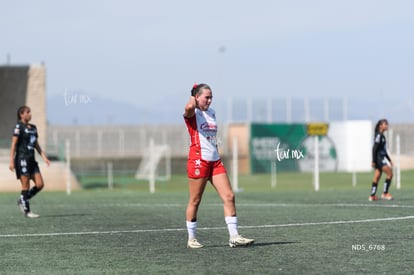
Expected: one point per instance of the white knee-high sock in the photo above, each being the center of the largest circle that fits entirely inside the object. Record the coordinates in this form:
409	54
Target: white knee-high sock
191	229
232	225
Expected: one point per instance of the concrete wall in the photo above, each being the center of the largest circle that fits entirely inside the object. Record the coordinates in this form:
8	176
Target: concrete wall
36	100
26	85
13	90
22	85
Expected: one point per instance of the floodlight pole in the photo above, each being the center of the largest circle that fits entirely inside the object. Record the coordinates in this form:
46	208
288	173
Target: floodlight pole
152	168
398	174
235	164
316	164
68	173
316	130
110	175
273	173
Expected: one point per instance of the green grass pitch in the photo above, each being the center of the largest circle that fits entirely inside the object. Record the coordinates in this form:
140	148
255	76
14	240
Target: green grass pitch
127	230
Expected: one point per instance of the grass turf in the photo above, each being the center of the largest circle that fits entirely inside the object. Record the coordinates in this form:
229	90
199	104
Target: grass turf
297	230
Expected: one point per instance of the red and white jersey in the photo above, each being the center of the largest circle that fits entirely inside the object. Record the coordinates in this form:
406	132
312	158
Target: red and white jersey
202	128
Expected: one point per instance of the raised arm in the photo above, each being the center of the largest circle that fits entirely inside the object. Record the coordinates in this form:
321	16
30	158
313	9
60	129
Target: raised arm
189	110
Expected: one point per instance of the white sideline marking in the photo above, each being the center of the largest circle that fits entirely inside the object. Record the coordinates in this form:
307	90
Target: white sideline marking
202	228
329	223
329	205
266	205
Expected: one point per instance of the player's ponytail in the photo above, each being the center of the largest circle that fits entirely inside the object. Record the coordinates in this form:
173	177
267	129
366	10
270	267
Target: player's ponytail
379	123
20	111
194	89
197	88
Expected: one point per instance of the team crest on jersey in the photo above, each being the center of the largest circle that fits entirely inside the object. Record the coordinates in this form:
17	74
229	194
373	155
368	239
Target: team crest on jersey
197	172
17	130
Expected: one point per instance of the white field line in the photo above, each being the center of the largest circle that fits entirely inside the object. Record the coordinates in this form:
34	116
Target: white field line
263	205
203	228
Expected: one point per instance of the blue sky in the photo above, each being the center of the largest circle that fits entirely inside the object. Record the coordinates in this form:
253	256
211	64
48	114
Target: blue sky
148	54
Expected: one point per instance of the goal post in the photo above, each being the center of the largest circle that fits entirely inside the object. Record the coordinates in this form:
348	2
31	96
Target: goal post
155	164
398	164
235	165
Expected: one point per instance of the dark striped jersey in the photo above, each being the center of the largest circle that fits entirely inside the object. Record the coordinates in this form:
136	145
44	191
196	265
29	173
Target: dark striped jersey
26	142
379	150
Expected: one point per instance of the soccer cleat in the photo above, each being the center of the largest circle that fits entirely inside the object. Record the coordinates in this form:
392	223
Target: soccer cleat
20	205
193	243
31	215
239	240
386	196
373	198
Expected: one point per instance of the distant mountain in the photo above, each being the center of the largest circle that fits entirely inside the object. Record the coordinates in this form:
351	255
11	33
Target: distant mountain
82	109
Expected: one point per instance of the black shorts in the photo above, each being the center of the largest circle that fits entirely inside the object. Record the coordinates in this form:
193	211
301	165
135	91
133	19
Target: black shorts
380	162
26	167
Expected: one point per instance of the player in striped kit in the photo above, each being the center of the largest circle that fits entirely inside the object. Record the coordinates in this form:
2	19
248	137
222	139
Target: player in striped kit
204	164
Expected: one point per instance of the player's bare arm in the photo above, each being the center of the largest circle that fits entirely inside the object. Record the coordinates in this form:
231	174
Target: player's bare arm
189	110
12	153
42	153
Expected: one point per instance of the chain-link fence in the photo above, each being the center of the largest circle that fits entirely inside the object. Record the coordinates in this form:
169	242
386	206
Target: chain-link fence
131	141
118	141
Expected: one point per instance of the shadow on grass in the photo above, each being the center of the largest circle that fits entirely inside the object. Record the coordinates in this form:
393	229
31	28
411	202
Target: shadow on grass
65	215
257	244
274	243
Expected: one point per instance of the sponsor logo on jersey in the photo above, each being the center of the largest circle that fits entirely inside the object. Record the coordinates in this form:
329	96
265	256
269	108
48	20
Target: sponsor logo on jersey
205	126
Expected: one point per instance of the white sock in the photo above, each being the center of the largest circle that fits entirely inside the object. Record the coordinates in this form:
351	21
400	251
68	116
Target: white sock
191	229
232	225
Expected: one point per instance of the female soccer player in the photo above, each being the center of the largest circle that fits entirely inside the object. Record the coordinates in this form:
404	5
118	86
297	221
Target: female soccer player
381	161
22	159
204	164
